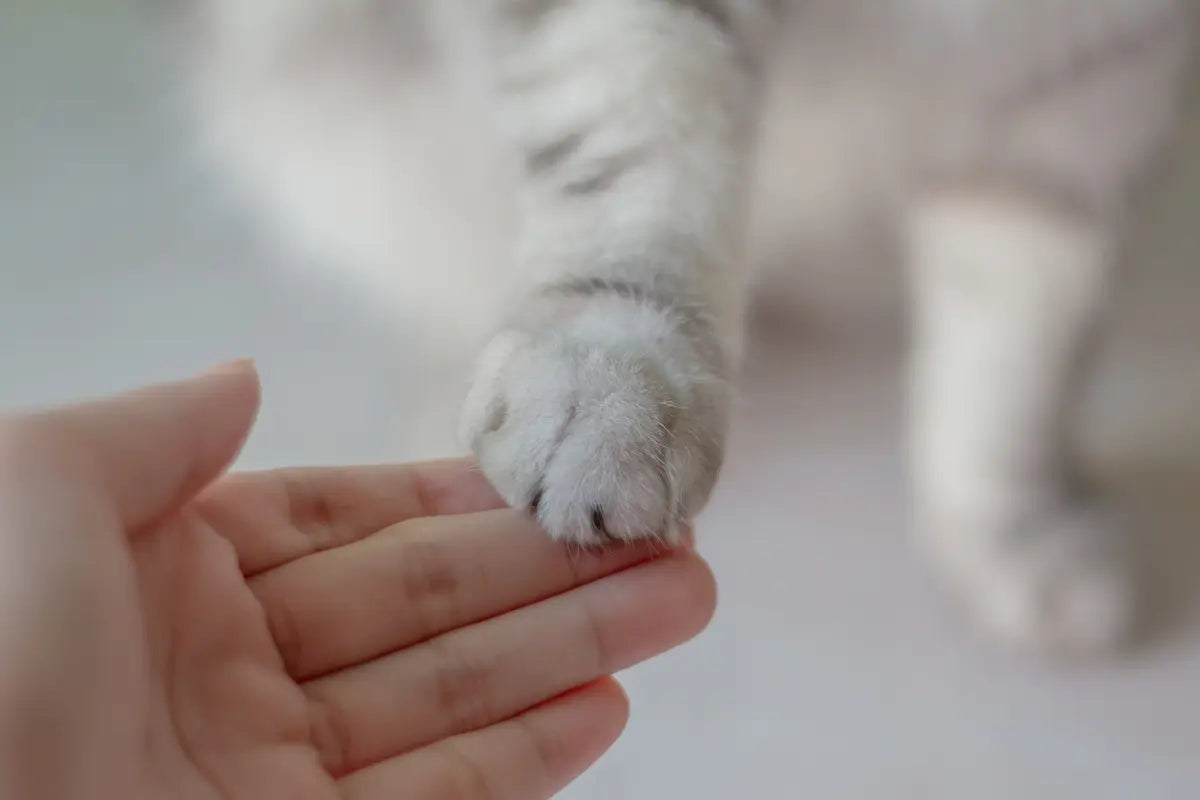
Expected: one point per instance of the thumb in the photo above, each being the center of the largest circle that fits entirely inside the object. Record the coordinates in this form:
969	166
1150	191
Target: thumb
151	450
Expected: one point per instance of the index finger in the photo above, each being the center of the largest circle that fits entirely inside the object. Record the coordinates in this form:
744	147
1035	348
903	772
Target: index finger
277	516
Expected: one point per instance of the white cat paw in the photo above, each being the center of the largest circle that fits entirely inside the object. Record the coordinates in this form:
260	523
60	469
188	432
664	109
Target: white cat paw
601	442
1058	584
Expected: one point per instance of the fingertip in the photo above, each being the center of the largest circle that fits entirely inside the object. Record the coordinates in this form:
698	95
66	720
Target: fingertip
238	396
654	607
240	378
609	690
696	591
157	446
237	366
593	717
454	486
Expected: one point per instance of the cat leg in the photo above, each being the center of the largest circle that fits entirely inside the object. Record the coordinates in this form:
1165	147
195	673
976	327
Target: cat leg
1008	290
602	403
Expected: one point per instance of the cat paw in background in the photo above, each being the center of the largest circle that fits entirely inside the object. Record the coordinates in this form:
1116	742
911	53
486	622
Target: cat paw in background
1059	581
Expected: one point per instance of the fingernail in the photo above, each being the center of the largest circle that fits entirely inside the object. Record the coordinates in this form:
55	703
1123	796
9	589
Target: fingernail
230	367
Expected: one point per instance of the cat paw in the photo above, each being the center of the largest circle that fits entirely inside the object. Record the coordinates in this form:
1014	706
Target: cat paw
602	442
1058	584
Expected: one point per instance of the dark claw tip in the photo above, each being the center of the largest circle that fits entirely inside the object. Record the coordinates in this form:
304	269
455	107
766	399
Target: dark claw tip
598	524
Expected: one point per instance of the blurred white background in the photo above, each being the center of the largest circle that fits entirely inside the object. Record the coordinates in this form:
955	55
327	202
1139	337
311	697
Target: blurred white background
832	669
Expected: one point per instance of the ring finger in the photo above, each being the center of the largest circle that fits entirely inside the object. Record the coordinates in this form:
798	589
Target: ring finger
489	671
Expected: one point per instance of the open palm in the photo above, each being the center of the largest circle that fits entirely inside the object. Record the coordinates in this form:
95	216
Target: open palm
360	633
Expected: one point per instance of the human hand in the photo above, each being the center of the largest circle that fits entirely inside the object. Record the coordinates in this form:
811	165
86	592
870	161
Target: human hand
334	633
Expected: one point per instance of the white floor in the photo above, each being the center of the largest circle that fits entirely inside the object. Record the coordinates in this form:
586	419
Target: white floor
832	670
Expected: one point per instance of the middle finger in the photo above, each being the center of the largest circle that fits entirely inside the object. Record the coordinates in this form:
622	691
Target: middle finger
414	580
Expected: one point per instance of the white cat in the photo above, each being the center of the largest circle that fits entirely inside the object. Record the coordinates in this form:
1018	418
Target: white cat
1003	139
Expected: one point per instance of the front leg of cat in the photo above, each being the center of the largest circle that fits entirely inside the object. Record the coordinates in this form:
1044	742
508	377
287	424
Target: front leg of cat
1009	290
602	404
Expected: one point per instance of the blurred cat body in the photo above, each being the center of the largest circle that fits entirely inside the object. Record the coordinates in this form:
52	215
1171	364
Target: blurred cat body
1002	142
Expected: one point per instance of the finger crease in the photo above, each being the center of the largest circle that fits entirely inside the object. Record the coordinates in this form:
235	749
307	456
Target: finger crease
463	689
329	734
428	582
421	492
540	747
599	645
281	625
468	772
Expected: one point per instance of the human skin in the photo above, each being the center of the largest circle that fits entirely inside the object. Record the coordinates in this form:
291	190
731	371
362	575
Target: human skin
387	631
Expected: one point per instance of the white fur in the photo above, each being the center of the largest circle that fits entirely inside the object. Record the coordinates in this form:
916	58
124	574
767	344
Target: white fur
1007	296
1002	139
590	393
